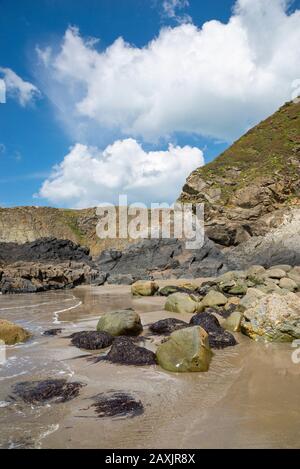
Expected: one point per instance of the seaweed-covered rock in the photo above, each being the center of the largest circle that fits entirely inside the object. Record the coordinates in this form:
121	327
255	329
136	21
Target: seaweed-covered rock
125	352
53	332
185	350
117	404
181	303
39	392
217	336
11	333
167	326
92	340
144	288
121	322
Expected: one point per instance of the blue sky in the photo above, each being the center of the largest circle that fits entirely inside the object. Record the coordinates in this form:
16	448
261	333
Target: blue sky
66	120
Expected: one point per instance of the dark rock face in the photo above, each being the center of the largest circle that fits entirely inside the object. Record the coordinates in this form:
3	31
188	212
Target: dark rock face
125	352
117	404
44	250
167	326
45	264
91	340
217	336
39	392
166	257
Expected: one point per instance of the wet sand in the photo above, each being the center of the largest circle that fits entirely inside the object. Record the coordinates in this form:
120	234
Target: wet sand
249	398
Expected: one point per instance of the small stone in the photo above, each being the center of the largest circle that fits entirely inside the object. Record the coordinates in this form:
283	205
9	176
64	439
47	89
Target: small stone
288	284
181	303
275	273
214	298
144	288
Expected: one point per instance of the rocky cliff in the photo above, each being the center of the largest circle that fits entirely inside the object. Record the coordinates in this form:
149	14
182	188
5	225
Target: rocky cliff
251	194
248	188
26	224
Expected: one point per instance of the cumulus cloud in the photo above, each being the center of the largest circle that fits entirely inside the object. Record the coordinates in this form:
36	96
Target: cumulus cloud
215	81
88	176
173	9
23	91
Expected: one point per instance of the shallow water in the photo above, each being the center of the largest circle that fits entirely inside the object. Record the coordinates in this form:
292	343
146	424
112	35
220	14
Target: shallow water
249	397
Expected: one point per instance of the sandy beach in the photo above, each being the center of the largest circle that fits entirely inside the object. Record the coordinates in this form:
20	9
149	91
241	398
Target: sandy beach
248	398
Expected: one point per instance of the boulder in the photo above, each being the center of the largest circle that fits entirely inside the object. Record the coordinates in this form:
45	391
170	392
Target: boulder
273	318
121	322
214	298
240	288
295	276
11	333
285	267
185	350
255	270
269	286
181	303
275	273
251	298
288	284
167	326
233	322
144	288
169	290
217	336
188	286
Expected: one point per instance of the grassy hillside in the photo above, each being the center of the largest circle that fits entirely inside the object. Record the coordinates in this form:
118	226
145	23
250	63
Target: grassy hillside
271	150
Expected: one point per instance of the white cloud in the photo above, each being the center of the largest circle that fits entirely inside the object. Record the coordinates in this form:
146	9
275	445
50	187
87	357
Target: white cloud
23	91
2	149
88	176
215	81
173	9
